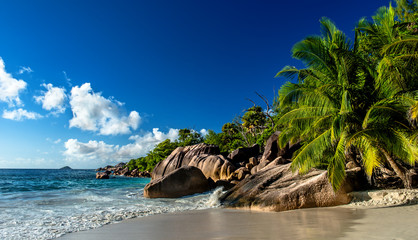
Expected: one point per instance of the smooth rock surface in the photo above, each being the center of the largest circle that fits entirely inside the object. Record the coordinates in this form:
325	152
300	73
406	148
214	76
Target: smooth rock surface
277	188
182	156
203	156
184	181
215	167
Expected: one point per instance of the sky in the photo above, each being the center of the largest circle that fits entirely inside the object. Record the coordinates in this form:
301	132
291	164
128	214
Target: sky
91	83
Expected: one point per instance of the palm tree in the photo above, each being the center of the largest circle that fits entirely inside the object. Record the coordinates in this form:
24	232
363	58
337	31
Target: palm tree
328	100
385	136
350	96
391	49
386	132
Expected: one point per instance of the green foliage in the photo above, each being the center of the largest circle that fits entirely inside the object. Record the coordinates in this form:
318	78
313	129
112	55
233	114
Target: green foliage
361	94
254	120
189	137
254	127
228	140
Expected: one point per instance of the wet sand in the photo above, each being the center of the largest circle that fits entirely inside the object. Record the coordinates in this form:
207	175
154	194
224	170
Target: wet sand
393	222
382	214
316	223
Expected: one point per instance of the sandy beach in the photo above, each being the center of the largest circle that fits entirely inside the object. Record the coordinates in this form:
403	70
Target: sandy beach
231	224
382	216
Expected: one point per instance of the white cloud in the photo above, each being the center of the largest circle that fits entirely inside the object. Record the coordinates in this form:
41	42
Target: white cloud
20	115
104	153
203	132
23	70
93	112
10	87
53	99
88	151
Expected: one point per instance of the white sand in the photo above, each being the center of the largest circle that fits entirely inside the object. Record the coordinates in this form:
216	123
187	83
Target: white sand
384	214
384	198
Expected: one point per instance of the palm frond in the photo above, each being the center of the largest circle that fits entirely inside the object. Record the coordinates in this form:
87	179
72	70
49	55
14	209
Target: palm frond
311	153
336	167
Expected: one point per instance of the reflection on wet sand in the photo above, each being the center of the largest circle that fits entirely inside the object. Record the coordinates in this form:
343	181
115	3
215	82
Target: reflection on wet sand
318	223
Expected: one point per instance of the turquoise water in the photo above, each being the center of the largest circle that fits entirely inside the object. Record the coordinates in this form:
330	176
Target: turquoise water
45	204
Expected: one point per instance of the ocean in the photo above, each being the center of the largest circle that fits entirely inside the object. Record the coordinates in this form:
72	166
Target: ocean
46	204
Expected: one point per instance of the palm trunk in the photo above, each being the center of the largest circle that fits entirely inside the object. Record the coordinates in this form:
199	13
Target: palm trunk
400	172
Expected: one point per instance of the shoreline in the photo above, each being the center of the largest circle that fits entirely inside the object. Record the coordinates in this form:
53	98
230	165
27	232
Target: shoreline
225	223
381	214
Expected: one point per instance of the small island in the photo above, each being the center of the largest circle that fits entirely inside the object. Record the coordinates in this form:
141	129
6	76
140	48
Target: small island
66	168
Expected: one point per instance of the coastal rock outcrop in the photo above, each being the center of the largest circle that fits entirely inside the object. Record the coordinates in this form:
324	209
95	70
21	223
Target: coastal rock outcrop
216	167
102	175
203	156
244	154
277	188
181	182
121	169
272	148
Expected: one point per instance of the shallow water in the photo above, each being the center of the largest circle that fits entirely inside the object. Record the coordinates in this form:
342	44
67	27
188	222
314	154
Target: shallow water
45	204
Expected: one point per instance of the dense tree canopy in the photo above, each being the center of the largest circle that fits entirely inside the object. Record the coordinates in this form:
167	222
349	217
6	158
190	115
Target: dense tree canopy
359	95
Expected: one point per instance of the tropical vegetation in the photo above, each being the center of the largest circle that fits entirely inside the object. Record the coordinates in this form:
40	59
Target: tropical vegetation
355	97
355	100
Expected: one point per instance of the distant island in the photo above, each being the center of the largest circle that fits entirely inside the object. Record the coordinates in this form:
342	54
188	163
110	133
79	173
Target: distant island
66	168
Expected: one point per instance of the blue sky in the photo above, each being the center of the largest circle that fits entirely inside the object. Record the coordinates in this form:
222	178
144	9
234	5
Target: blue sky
90	83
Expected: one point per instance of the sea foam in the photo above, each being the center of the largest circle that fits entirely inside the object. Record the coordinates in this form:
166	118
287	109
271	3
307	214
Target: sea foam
84	203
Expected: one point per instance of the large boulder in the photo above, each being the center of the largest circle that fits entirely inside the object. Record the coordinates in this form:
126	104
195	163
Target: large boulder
271	149
120	165
182	156
278	188
215	167
184	181
244	154
200	149
240	173
125	172
144	174
102	175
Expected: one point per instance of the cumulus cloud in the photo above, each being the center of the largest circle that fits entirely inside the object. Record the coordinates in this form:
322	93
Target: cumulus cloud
104	153
10	87
203	132
20	114
23	70
93	112
53	99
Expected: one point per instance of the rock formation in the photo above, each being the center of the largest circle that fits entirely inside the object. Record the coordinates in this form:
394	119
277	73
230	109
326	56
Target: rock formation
244	154
203	156
271	149
121	169
102	175
181	182
278	188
